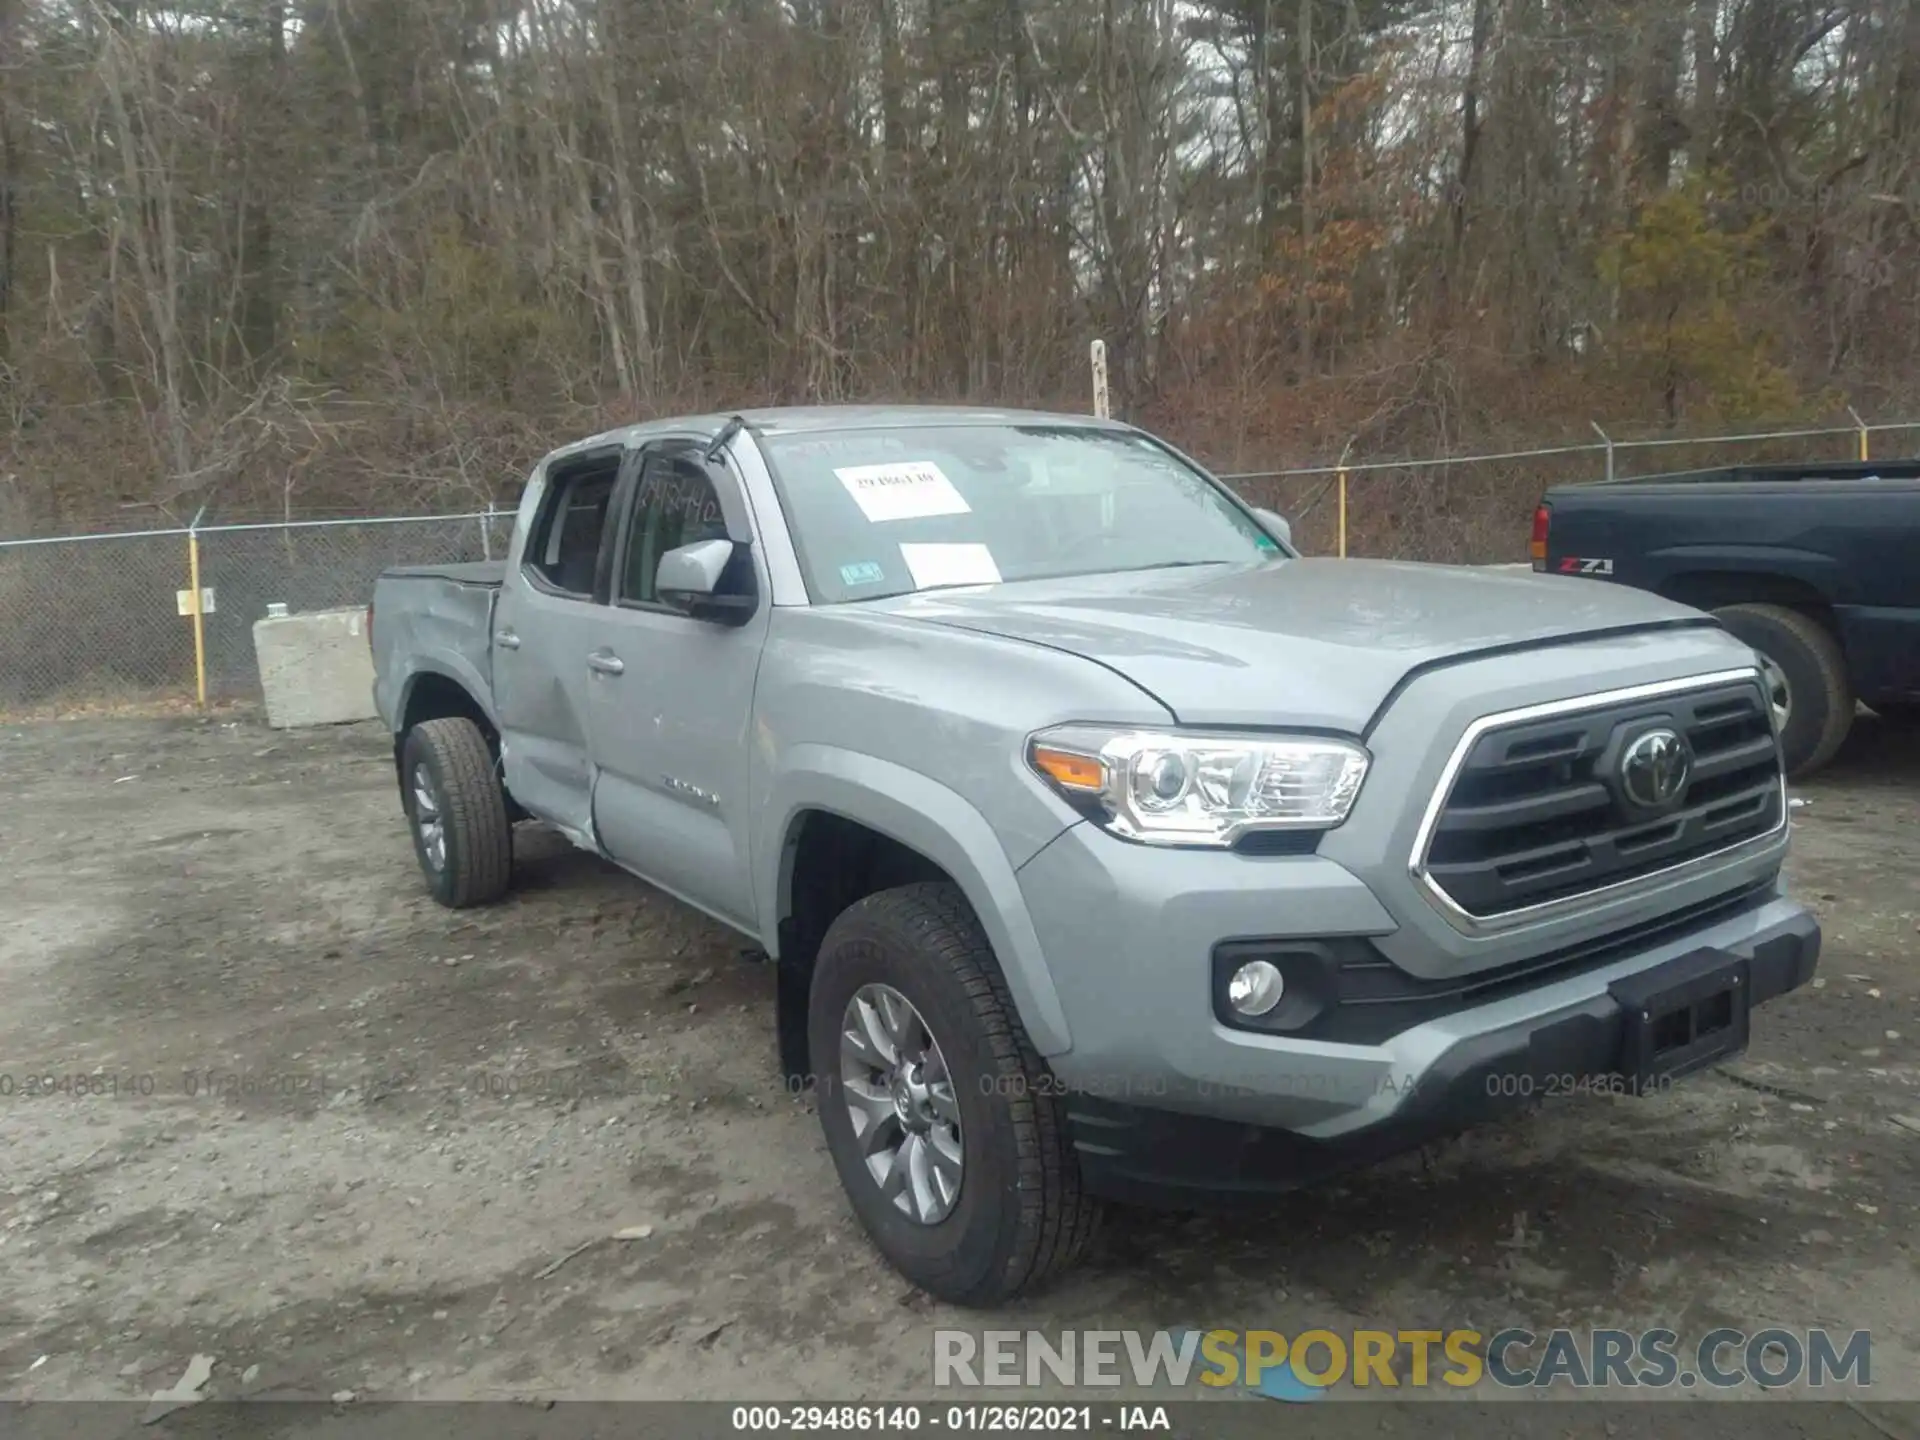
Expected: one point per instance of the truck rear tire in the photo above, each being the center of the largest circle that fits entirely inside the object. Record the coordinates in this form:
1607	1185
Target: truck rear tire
1811	667
946	1127
457	811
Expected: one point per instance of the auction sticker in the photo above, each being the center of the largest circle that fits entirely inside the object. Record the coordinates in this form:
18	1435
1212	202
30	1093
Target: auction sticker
933	565
908	490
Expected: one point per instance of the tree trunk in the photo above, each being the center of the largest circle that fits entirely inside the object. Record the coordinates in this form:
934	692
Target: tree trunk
1303	307
147	225
266	143
1450	273
634	248
1706	84
9	189
1662	129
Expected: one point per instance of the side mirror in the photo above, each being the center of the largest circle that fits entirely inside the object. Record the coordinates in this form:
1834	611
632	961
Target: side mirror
1277	526
689	578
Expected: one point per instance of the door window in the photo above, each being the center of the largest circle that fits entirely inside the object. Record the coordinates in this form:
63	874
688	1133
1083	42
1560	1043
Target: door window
566	550
674	504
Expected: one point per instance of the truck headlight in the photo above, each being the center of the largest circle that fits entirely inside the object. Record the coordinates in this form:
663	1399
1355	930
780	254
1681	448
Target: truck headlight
1181	787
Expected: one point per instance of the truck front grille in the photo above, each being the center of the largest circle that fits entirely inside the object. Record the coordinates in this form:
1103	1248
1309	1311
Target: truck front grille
1538	807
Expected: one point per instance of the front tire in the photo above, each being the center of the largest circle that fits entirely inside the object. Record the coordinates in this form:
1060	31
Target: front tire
457	810
1807	678
945	1125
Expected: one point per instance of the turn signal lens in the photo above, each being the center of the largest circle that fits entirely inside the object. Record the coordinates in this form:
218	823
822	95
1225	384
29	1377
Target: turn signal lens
1071	771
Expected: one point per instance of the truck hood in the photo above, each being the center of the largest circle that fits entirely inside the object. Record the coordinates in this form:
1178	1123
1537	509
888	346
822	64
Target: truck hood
1315	643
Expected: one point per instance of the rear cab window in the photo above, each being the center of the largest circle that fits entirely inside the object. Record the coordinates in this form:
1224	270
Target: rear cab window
564	546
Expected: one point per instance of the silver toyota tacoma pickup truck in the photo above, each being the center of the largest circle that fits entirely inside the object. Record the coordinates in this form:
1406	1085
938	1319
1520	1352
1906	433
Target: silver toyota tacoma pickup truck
1105	847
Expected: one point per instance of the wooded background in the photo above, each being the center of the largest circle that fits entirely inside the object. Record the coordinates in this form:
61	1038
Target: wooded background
313	256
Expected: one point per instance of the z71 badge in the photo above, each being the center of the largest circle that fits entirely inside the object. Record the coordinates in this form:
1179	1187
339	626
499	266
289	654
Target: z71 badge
1574	565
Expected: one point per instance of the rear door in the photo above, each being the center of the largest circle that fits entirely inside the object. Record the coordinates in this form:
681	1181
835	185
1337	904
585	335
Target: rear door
672	700
544	630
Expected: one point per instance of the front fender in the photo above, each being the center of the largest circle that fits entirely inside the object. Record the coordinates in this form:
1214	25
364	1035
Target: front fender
937	822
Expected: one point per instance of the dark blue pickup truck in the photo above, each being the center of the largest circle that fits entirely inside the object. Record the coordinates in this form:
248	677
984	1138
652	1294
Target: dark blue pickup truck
1815	566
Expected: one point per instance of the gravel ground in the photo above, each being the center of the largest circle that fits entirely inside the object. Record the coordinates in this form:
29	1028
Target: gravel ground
351	1142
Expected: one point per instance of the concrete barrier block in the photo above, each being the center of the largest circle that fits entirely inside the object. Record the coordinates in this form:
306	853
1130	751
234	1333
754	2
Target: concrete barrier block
315	669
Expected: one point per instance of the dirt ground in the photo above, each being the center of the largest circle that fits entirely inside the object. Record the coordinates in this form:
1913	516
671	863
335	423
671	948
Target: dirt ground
353	1142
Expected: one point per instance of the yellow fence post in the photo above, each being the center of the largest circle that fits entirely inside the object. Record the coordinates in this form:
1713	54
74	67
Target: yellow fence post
1345	451
1863	432
197	610
1343	514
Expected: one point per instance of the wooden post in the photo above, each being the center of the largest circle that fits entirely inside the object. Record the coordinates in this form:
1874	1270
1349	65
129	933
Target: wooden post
1345	451
198	610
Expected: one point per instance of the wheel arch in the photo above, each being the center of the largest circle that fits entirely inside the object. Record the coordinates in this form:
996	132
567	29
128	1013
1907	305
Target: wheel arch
1710	586
846	825
432	693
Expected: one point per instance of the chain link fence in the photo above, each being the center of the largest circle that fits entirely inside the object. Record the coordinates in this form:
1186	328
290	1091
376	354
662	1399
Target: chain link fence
101	620
93	621
1476	509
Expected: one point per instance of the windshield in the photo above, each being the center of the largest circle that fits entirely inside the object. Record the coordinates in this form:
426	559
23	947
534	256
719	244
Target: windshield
887	512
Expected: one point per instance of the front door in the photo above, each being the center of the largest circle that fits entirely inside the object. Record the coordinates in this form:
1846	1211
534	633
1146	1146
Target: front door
672	697
544	628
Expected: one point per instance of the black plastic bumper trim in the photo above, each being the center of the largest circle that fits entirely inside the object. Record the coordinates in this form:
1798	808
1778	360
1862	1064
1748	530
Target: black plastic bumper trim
1166	1157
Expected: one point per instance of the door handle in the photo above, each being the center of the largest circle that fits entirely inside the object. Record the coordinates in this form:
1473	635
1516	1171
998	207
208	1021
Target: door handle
606	662
506	639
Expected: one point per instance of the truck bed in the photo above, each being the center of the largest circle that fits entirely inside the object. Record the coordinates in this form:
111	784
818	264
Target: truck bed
1742	475
441	617
487	573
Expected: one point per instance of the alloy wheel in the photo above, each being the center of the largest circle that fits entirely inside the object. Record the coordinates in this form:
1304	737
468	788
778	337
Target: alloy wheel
428	820
900	1099
1779	696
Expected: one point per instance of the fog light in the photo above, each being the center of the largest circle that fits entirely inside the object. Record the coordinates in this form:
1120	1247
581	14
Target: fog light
1256	987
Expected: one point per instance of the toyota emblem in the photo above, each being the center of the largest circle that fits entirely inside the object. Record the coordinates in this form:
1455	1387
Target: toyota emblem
1654	769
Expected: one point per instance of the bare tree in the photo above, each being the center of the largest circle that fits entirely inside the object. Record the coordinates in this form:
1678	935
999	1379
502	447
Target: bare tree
366	252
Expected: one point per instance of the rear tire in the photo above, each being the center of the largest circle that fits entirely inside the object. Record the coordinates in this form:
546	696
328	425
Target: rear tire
457	810
1019	1216
1814	669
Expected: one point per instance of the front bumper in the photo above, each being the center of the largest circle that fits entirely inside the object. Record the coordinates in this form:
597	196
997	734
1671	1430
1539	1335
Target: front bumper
1156	1157
1169	1104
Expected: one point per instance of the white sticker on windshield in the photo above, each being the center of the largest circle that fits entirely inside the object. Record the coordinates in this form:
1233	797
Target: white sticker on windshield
932	565
904	491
